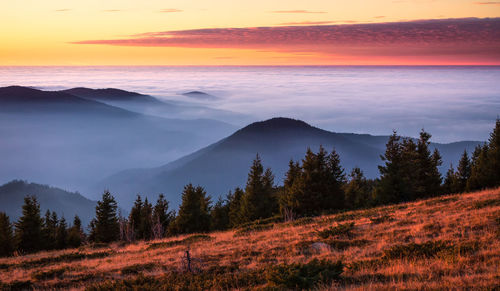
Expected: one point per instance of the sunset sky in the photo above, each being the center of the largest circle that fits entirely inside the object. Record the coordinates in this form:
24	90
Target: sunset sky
258	32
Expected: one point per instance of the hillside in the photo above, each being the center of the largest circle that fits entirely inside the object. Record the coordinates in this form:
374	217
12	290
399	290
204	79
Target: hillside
449	242
60	139
64	203
224	165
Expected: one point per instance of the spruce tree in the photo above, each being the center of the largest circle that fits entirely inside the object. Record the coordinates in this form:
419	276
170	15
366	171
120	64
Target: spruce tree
62	234
162	217
288	200
494	155
75	233
49	230
358	191
29	227
219	216
257	203
463	172
234	201
105	227
146	220
6	236
479	177
194	211
135	219
450	184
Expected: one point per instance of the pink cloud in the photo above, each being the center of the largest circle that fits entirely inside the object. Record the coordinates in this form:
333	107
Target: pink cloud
170	10
299	11
466	38
488	3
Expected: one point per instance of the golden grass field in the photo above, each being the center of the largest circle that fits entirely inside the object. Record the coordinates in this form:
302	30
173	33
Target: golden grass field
449	242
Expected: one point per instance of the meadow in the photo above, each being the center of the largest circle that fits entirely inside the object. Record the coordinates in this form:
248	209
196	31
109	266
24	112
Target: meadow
449	242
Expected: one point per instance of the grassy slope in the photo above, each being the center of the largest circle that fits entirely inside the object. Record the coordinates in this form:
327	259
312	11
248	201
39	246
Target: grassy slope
456	246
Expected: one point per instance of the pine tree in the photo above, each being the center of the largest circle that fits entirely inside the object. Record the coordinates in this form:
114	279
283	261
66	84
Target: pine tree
135	219
162	217
479	177
75	234
494	155
288	200
105	227
234	201
428	178
358	191
29	226
450	184
257	203
49	230
146	220
194	211
62	234
393	185
463	173
219	216
6	236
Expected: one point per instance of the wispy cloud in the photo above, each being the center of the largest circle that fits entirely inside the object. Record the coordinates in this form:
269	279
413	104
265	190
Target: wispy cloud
308	23
170	10
111	10
378	17
299	11
488	3
478	38
62	10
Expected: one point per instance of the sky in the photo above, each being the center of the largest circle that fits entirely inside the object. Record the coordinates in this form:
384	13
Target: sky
258	32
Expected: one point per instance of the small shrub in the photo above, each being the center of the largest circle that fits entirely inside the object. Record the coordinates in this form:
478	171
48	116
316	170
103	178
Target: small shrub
339	230
4	266
302	221
50	274
137	268
274	219
304	276
345	244
366	264
18	285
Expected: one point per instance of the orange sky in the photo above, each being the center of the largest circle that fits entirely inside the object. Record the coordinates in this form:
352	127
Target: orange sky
96	32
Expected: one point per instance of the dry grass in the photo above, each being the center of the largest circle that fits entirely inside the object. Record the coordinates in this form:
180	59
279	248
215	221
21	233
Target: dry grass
453	242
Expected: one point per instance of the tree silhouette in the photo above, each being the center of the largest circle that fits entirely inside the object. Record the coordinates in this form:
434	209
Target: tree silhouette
105	227
29	226
6	236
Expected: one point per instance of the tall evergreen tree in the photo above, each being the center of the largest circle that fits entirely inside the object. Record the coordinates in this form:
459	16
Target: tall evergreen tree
257	203
288	200
358	191
105	227
463	172
135	218
49	230
62	234
219	216
29	226
75	233
494	155
146	220
6	236
485	169
428	178
162	217
450	184
194	211
234	201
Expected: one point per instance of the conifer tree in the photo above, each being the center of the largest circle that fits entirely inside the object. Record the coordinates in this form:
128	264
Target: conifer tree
6	236
257	202
219	216
358	191
494	155
234	203
62	234
479	177
288	200
393	185
135	219
450	184
428	178
146	220
75	233
29	226
463	172
105	227
162	217
49	230
194	211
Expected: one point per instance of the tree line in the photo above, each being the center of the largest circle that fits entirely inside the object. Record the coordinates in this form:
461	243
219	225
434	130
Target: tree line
313	186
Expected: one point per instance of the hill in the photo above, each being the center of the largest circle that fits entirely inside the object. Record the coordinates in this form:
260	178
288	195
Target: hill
224	165
444	243
61	139
150	105
64	203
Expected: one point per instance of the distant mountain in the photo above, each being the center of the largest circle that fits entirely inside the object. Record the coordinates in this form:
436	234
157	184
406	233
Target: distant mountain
200	95
64	203
225	164
150	105
61	139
